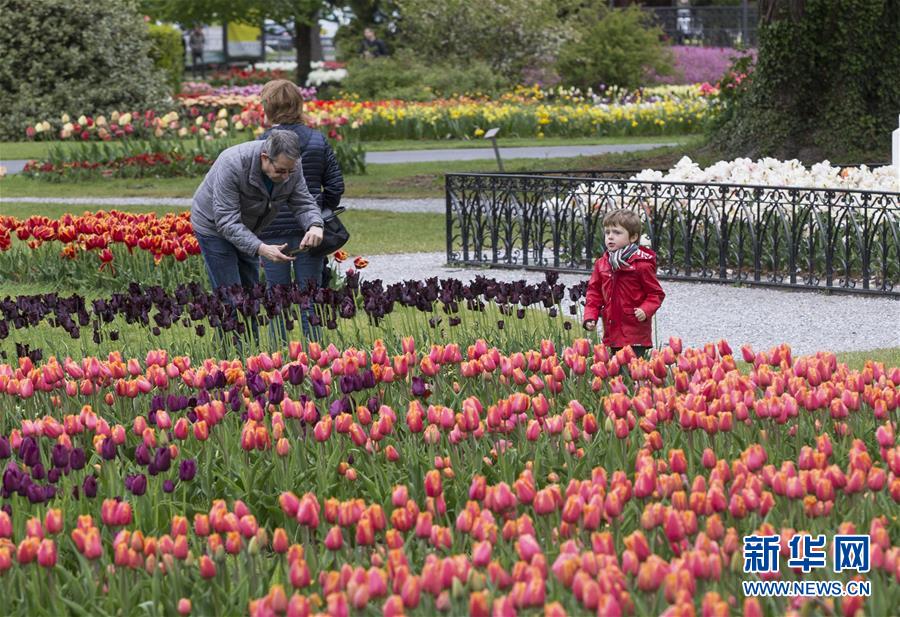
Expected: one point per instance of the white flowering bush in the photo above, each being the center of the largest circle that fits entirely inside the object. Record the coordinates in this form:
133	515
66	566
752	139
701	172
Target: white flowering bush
776	173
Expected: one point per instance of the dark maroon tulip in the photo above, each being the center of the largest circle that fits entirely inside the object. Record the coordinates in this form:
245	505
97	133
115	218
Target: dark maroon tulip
5	449
168	486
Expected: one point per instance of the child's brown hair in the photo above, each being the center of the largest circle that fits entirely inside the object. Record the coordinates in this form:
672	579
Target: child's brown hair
627	219
282	102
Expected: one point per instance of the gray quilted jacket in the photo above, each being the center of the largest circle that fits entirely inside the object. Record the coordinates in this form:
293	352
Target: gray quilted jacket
233	203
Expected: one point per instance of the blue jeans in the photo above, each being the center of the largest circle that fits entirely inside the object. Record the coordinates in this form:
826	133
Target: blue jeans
305	270
226	266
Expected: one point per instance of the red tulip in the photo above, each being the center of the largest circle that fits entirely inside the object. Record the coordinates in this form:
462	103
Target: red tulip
207	567
184	606
46	553
335	539
410	592
527	547
433	485
479	604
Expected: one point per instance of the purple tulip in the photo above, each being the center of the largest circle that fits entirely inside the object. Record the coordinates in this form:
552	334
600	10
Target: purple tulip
12	477
38	472
163	459
89	486
35	493
187	469
168	486
53	475
5	449
108	449
136	484
77	459
319	389
255	383
60	456
418	387
295	374
142	455
29	452
276	393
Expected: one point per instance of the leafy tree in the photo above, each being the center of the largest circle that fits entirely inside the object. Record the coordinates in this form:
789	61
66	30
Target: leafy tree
73	56
613	47
299	17
825	83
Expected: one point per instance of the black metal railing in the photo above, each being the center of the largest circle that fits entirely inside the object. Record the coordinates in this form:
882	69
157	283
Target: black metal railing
807	238
709	26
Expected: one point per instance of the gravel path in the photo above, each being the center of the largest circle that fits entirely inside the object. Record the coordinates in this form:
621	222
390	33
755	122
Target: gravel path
388	205
701	313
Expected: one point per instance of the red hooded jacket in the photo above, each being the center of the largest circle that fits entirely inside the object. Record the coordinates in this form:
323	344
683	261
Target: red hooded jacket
614	294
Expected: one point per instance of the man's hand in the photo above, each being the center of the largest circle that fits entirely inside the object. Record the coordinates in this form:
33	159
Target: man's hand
641	315
590	324
312	238
273	252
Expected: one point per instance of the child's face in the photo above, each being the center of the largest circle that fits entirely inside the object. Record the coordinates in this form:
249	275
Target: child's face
617	237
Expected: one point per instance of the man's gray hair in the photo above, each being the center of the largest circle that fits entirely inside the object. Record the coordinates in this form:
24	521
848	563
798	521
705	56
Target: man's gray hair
283	142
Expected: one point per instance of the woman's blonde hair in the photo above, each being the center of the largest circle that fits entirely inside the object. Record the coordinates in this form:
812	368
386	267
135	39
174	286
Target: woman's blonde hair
282	102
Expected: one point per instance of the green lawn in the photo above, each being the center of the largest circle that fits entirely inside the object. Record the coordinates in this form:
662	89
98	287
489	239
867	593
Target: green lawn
401	180
13	150
857	359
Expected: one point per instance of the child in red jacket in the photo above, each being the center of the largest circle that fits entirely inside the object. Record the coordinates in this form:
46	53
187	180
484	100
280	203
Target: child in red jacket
623	289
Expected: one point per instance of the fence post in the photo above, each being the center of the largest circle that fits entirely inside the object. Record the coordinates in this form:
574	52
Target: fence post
744	30
895	151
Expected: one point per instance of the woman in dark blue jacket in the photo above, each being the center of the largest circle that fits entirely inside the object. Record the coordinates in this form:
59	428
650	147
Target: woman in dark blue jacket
284	108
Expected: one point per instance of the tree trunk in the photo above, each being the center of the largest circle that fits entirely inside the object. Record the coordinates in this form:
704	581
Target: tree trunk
303	34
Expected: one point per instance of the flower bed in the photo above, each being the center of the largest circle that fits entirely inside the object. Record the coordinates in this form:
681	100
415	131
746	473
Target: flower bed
460	477
525	112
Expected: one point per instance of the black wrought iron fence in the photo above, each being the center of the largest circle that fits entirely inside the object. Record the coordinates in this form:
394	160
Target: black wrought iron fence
821	239
709	26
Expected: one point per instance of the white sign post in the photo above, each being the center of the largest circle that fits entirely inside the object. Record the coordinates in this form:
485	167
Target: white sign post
895	152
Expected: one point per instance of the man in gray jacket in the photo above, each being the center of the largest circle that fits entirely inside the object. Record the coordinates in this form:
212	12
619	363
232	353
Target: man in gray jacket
242	193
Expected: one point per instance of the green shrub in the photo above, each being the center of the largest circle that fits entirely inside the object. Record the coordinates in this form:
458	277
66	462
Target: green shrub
167	53
509	36
73	56
616	48
404	76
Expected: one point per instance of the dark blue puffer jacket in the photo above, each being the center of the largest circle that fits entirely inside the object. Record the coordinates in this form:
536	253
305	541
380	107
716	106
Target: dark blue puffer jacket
323	178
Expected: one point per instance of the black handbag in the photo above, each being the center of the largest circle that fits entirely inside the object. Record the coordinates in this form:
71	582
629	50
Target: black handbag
334	235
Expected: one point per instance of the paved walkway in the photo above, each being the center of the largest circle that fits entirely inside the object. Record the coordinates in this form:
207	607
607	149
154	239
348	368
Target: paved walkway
463	154
701	313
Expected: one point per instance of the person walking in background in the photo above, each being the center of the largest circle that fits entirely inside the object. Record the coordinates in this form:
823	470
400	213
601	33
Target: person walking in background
245	189
372	47
283	105
196	41
623	288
